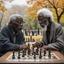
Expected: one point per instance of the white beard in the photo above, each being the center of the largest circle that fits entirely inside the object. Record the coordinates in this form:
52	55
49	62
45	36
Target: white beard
45	28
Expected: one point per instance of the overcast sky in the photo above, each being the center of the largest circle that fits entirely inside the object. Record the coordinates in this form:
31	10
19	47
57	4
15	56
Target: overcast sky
19	2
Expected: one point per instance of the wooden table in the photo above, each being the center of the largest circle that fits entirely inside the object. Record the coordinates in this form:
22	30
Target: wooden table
59	55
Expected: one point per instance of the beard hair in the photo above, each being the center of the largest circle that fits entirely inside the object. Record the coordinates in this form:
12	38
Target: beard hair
45	28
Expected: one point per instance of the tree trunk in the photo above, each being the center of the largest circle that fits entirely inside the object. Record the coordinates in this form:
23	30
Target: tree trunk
58	20
1	19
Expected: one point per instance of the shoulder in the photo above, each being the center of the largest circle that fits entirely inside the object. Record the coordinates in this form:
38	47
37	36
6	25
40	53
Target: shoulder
56	25
5	28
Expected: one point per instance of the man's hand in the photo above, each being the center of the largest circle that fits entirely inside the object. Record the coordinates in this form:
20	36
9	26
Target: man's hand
48	48
45	48
36	44
24	46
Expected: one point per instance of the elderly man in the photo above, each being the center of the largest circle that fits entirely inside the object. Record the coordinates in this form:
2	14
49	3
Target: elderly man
11	36
52	31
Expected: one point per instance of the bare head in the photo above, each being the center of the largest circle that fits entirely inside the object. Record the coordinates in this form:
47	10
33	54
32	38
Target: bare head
16	22
45	16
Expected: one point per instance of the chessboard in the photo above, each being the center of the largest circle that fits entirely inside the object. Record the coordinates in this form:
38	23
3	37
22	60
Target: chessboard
33	57
55	57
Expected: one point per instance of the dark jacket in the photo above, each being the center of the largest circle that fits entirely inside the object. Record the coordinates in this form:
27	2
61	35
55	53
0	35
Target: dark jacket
10	41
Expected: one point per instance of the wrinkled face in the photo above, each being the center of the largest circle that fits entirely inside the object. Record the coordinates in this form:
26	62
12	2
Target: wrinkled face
43	21
17	25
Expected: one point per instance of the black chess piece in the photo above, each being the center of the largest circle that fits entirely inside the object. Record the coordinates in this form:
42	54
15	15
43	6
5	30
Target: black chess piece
19	54
44	52
40	55
37	50
28	51
34	55
49	54
13	56
23	53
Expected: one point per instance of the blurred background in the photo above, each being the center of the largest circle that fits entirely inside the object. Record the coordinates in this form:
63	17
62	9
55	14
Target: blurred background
28	10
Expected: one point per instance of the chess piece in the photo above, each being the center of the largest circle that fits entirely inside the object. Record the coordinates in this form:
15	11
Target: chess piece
13	56
34	55
44	52
32	49
28	49
23	52
19	54
37	51
40	55
49	54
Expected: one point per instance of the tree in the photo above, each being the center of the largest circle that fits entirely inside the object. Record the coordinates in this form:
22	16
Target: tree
56	6
2	10
15	9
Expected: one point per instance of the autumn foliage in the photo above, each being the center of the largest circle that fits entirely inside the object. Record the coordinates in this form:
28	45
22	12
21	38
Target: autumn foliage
56	6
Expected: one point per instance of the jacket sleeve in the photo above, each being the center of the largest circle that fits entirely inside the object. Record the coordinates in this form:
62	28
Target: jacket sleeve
5	43
59	42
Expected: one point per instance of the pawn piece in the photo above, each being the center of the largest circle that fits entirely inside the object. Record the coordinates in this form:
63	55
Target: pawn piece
19	54
13	56
40	55
49	54
34	55
44	52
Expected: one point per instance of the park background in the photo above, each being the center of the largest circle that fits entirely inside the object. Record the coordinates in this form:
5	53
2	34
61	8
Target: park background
28	9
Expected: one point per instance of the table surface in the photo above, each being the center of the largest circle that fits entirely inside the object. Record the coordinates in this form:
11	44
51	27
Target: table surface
58	54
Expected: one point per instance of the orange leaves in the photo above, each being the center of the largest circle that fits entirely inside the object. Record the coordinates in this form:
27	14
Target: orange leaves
38	4
2	8
60	4
32	11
